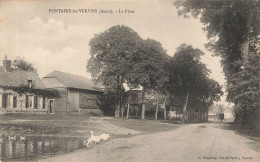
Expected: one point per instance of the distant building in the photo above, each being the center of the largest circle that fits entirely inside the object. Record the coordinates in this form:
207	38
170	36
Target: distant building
21	91
77	94
135	101
197	110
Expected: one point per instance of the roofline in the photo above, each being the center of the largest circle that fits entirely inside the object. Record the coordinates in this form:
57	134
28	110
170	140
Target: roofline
18	86
72	87
85	89
66	73
78	89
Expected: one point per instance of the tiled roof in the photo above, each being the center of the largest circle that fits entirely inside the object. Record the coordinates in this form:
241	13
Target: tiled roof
74	81
15	78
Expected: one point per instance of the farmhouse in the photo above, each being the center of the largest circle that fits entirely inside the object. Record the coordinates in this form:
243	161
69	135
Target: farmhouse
21	91
77	94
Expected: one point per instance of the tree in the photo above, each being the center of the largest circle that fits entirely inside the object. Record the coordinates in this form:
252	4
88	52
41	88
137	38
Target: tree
232	29
149	70
111	57
21	64
188	76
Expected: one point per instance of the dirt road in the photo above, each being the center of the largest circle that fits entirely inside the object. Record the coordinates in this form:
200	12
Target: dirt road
192	142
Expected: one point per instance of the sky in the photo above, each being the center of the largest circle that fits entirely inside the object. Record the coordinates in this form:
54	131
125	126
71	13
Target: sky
51	40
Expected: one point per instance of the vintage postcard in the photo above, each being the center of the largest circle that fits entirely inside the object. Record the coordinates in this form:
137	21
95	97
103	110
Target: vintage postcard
130	80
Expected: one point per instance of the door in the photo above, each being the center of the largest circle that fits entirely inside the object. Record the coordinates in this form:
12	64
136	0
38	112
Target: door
51	106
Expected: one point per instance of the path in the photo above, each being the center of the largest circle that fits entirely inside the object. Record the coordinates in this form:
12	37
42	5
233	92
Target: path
192	142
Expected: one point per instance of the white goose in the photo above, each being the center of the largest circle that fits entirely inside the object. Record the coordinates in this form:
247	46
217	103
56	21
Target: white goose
95	139
22	138
104	137
11	138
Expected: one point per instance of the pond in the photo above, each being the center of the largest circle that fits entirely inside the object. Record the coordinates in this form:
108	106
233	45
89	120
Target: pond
32	147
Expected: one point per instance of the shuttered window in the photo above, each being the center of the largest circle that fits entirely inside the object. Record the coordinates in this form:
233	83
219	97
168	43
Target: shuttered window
14	101
26	101
43	102
4	100
35	102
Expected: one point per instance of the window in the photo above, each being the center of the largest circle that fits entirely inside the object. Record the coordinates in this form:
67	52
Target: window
14	101
43	102
35	102
4	100
30	83
29	101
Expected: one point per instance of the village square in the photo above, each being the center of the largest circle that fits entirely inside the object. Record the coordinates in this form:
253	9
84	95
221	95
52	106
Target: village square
178	84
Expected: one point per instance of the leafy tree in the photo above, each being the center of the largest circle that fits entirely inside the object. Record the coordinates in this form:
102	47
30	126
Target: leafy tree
244	91
213	92
111	57
232	29
188	76
149	70
119	55
21	64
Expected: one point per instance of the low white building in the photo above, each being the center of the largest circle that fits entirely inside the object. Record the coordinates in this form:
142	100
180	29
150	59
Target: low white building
21	91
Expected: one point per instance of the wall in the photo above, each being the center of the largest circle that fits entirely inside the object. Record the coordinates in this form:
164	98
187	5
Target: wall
21	102
59	104
73	101
91	111
70	101
90	100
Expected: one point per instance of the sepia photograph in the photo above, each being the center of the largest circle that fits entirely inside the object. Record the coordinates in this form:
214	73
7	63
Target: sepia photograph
130	80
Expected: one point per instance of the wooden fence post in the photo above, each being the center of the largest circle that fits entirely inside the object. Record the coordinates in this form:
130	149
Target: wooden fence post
122	112
143	111
127	113
164	111
157	106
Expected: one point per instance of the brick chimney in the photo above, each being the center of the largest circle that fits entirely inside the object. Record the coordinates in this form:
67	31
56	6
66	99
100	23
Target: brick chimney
7	64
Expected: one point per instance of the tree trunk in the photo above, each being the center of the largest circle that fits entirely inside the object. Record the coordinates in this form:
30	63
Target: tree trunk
164	111
127	113
122	111
118	96
121	105
199	115
185	117
121	97
157	106
143	105
117	111
207	113
143	111
245	44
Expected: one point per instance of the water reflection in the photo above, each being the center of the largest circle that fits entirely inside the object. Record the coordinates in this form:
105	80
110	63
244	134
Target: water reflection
37	147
